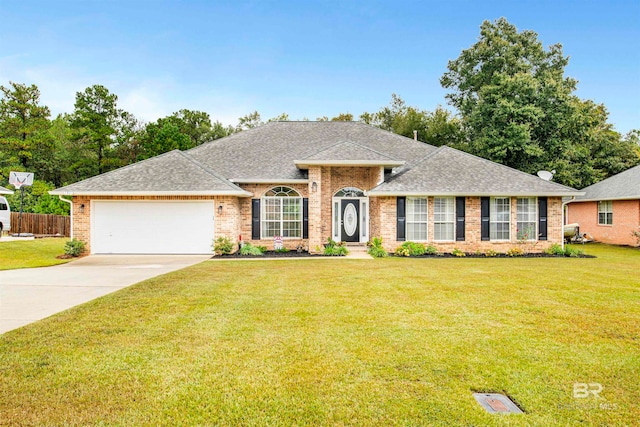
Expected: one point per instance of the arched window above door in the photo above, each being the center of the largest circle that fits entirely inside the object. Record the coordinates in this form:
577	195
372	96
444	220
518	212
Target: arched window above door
349	192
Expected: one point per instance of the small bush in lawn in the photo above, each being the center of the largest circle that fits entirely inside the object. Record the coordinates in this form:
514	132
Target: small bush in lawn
376	249
74	248
555	249
431	250
402	251
490	253
333	248
282	250
515	252
457	252
572	252
249	249
414	249
222	246
263	249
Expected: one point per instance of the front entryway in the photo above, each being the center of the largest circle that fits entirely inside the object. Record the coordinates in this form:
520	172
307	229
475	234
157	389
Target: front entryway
350	216
350	219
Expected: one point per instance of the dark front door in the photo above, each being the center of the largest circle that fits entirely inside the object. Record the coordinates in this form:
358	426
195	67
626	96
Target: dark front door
350	220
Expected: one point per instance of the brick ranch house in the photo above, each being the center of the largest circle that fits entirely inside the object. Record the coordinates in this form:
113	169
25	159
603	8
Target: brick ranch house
610	209
310	181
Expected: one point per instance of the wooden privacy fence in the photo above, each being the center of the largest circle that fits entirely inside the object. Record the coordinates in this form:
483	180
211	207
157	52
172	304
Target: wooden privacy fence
41	224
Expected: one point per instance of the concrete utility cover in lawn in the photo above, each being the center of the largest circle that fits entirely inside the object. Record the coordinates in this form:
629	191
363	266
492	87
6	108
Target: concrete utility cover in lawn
31	294
497	403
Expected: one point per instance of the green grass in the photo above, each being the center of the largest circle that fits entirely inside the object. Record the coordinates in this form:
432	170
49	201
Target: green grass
31	253
339	342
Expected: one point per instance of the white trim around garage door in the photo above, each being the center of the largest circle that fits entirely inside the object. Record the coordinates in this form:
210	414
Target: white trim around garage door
152	226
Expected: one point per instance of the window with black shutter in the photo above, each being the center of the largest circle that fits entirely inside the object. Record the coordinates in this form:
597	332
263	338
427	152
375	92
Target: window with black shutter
305	218
255	219
460	215
484	218
542	218
400	218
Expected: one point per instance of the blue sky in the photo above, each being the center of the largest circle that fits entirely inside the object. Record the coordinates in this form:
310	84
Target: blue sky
307	58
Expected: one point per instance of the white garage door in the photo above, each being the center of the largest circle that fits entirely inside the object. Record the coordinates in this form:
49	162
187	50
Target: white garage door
151	227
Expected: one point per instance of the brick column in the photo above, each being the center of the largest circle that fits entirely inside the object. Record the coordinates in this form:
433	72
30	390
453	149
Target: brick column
315	208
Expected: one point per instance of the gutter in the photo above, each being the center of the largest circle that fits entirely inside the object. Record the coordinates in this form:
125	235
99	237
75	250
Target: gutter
563	219
70	214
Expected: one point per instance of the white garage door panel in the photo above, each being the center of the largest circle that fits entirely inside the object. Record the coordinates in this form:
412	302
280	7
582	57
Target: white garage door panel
151	227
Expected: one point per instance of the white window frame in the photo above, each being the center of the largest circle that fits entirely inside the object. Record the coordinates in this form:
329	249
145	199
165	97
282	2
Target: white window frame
605	207
527	218
445	218
497	217
280	194
410	219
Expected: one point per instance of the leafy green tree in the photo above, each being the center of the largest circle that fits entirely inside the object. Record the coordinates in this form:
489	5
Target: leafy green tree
249	121
519	109
23	124
95	121
161	137
253	120
197	125
439	127
343	117
182	130
279	118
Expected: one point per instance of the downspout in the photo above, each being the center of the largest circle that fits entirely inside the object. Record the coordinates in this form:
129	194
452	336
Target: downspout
70	214
563	205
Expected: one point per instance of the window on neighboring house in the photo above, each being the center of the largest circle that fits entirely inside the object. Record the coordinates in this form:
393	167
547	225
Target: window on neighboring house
500	218
444	218
605	213
527	218
281	213
416	219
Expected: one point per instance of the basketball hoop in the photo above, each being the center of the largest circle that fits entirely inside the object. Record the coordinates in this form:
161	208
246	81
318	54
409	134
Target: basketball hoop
19	179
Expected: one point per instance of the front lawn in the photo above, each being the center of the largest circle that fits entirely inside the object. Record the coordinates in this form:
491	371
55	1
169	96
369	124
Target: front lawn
32	253
340	342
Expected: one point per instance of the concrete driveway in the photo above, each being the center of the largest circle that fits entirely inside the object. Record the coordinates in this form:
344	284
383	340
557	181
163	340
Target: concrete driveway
31	294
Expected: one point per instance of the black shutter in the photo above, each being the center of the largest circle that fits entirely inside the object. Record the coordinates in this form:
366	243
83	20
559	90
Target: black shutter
484	217
400	218
542	218
255	219
460	219
305	218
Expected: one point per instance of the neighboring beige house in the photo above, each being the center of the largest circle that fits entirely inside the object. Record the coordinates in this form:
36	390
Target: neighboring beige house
609	211
310	181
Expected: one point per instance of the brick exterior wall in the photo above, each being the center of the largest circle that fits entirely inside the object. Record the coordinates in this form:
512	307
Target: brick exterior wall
328	181
626	219
473	239
235	219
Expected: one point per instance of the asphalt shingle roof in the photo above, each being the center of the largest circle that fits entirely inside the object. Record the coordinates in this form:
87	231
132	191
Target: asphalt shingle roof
349	152
268	152
5	191
625	185
277	152
170	173
448	171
